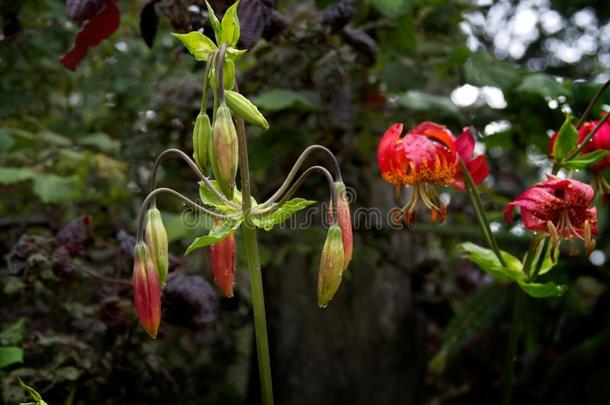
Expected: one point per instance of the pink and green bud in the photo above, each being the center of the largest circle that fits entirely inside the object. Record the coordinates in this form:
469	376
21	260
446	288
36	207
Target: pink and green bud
156	240
345	222
146	290
331	266
223	256
202	135
224	150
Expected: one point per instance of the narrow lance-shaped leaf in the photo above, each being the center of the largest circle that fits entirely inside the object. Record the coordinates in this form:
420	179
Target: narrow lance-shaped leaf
230	29
214	22
287	210
200	46
584	161
567	138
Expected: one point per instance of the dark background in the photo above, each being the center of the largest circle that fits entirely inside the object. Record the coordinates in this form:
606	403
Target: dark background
76	150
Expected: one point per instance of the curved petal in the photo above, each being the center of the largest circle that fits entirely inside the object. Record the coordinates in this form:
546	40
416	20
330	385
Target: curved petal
435	131
464	145
387	159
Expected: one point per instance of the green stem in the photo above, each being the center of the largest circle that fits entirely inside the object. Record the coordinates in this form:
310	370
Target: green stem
596	97
479	211
151	199
295	187
258	309
513	340
295	168
254	267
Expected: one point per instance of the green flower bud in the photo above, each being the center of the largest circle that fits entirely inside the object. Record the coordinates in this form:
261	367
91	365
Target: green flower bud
245	109
156	239
202	135
224	150
331	266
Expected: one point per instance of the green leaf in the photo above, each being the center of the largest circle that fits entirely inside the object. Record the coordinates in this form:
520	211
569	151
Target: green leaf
488	262
216	234
482	69
566	141
214	22
283	99
234	54
200	46
209	198
289	208
539	290
32	392
13	334
547	263
230	26
10	175
101	141
10	355
543	85
52	188
584	161
420	101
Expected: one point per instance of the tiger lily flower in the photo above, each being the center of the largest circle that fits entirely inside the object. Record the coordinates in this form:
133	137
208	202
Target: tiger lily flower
427	157
561	208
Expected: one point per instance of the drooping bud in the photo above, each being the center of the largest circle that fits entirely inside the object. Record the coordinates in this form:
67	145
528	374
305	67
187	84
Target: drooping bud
331	266
156	240
245	109
224	150
146	290
345	222
223	256
202	135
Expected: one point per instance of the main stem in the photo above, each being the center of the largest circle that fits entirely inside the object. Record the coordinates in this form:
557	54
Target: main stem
254	267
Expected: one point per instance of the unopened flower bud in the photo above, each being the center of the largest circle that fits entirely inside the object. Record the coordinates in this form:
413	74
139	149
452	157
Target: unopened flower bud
243	107
331	266
224	263
156	239
202	135
224	150
345	222
146	290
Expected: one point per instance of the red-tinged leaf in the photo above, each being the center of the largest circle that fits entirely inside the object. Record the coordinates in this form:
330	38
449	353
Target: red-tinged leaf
94	31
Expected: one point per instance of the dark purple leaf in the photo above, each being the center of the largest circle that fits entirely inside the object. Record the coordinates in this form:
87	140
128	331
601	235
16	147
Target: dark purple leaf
362	43
74	236
149	21
81	10
337	16
189	302
254	17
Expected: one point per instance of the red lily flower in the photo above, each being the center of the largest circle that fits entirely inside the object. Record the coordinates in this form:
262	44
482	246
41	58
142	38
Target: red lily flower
224	263
560	207
428	156
146	290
